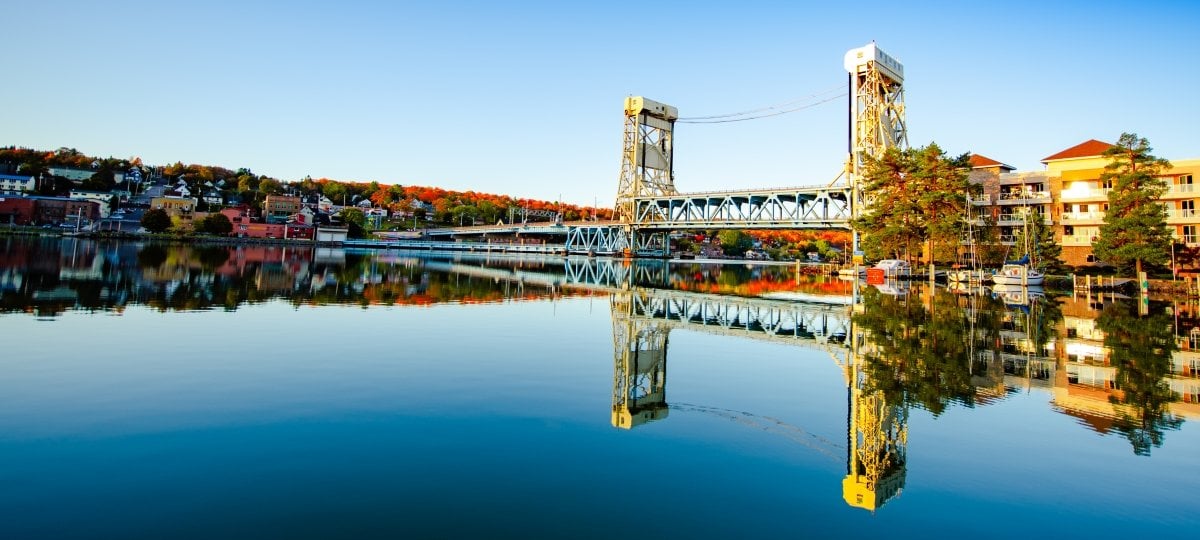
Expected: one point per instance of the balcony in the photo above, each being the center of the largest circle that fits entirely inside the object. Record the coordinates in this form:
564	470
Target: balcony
1177	215
1077	240
1011	219
1084	194
1076	217
1182	189
1024	197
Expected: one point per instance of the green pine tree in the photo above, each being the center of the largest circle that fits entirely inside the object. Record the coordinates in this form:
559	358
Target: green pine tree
1135	228
917	199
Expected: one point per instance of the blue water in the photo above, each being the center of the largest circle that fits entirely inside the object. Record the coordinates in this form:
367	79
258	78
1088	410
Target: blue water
286	417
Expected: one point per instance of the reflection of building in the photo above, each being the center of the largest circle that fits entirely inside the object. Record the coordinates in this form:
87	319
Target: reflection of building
640	367
1087	387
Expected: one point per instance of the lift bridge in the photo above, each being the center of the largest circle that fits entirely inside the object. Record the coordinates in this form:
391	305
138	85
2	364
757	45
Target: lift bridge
649	206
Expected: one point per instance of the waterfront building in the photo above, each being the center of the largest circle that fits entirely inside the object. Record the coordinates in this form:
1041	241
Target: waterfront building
16	210
278	208
174	206
102	198
12	184
1069	195
57	210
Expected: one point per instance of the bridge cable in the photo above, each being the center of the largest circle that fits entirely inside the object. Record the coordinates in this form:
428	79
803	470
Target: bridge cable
804	101
769	107
766	115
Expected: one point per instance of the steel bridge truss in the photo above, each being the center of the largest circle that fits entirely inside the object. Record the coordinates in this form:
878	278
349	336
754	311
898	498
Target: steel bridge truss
617	275
821	327
614	240
819	207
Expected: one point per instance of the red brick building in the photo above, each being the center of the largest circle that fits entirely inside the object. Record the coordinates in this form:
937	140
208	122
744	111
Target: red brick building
16	211
55	210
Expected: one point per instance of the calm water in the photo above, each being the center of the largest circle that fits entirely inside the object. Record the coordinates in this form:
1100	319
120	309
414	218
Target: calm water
155	391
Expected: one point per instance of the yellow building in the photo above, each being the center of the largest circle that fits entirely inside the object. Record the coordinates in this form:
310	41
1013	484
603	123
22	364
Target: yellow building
1070	195
174	206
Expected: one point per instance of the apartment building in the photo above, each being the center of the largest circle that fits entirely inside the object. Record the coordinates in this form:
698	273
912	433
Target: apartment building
1070	195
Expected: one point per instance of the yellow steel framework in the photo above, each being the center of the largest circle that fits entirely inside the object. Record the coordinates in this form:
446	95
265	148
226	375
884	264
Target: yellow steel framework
877	119
876	461
647	154
639	367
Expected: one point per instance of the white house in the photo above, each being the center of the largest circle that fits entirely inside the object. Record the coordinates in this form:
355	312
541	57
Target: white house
213	196
17	184
102	198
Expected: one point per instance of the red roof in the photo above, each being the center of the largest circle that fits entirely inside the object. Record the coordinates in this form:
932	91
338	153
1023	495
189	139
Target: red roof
977	161
1089	148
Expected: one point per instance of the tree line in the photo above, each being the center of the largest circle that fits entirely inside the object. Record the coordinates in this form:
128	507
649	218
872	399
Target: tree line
246	187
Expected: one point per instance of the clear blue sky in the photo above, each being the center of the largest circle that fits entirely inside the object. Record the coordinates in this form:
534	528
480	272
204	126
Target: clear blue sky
525	98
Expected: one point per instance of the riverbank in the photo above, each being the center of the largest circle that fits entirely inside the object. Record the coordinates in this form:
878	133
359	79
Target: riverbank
155	237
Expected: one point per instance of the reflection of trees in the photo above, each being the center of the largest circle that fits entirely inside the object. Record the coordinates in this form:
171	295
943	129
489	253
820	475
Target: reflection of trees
919	356
212	257
924	353
197	277
152	256
749	280
1141	348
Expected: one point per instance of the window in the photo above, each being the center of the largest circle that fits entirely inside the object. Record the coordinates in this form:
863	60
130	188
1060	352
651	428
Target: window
1068	230
1106	184
1092	258
1185	183
1189	234
1187	208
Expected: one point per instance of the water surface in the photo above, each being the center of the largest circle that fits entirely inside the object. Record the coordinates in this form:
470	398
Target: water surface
152	391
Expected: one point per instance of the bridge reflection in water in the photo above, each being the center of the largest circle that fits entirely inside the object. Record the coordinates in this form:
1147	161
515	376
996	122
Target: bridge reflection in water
643	316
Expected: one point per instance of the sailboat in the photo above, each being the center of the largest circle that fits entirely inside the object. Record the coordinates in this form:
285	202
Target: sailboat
1018	273
974	274
1021	271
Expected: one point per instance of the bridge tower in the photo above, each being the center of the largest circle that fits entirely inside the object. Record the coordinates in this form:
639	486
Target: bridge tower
647	154
877	432
639	367
876	114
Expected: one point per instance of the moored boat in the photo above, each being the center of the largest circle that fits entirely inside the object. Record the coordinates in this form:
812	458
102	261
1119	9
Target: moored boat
894	268
968	276
1018	274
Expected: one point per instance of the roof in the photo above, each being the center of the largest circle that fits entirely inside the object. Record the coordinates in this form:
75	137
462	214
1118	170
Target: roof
977	162
1088	148
23	178
49	198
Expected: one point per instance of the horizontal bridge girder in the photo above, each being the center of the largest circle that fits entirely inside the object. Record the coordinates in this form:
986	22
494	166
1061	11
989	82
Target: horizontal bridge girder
820	207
